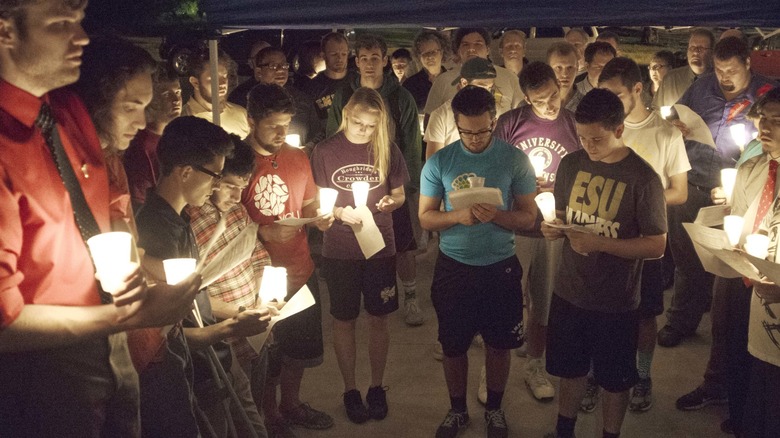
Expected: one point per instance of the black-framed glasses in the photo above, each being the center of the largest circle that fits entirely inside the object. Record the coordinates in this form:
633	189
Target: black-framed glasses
477	135
217	176
275	67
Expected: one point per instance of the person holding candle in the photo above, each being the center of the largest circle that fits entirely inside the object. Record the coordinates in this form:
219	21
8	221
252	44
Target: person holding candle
282	187
477	279
762	404
755	187
608	189
64	362
236	291
543	129
192	152
721	98
660	145
361	151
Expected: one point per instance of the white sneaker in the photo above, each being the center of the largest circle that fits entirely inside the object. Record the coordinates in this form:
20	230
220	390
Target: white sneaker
482	391
537	381
413	314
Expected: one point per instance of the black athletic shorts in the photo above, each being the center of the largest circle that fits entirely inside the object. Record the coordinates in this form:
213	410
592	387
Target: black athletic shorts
349	280
478	299
576	336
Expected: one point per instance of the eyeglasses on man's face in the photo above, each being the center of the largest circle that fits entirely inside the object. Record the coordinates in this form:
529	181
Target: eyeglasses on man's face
216	176
476	135
275	67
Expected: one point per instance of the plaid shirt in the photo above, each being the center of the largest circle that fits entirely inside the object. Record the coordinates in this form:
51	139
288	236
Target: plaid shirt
240	285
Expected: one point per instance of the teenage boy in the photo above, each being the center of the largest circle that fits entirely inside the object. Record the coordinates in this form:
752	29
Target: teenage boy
235	291
660	144
404	130
283	187
192	153
616	201
476	282
542	129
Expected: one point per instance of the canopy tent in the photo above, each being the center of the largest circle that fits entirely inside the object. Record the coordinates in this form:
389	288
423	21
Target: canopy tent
301	14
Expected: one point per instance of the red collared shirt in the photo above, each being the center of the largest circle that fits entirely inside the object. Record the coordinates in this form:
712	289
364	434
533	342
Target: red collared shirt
43	259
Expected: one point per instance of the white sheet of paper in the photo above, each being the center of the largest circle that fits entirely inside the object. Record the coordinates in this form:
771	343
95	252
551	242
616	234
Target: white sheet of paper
706	239
769	269
465	198
713	215
236	251
297	222
367	233
738	262
302	300
699	131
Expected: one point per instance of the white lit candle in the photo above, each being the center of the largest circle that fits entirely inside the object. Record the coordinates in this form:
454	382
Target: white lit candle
546	203
176	270
539	163
360	193
739	134
421	119
111	255
666	111
327	200
733	225
293	140
273	286
727	179
757	245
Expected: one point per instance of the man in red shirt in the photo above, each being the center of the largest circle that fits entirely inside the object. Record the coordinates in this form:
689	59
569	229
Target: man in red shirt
63	357
282	187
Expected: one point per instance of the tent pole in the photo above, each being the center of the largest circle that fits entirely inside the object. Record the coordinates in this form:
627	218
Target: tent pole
214	69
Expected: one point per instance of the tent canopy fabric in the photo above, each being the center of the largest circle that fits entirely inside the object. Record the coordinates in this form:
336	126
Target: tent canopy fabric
308	14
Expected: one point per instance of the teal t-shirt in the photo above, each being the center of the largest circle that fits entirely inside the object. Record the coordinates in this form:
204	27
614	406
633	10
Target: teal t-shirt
503	166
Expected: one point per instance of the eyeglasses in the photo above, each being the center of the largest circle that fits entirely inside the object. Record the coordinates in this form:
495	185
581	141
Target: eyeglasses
698	49
275	67
217	176
430	53
476	135
657	67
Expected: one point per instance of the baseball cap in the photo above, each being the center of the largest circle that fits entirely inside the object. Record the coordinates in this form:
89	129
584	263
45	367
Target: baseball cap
476	68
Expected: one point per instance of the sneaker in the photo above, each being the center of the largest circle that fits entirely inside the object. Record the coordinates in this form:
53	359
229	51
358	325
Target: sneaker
377	402
482	390
701	397
641	396
356	410
588	403
438	352
278	428
537	381
306	416
413	316
522	351
495	423
669	336
453	423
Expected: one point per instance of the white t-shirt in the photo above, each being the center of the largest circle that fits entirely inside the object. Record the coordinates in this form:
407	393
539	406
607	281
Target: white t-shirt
441	125
660	144
232	118
506	89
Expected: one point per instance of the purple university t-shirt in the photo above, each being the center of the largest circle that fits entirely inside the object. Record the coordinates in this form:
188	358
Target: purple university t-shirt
336	163
550	139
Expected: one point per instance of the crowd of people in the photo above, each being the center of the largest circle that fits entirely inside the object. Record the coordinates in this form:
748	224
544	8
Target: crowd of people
95	137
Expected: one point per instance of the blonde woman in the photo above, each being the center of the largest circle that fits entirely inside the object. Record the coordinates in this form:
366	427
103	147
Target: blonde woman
361	151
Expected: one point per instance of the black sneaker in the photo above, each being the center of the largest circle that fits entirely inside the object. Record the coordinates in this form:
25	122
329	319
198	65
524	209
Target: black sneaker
377	402
495	423
701	397
453	423
356	410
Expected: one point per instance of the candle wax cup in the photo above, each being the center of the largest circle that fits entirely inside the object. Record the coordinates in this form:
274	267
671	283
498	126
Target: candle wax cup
360	193
176	270
733	225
